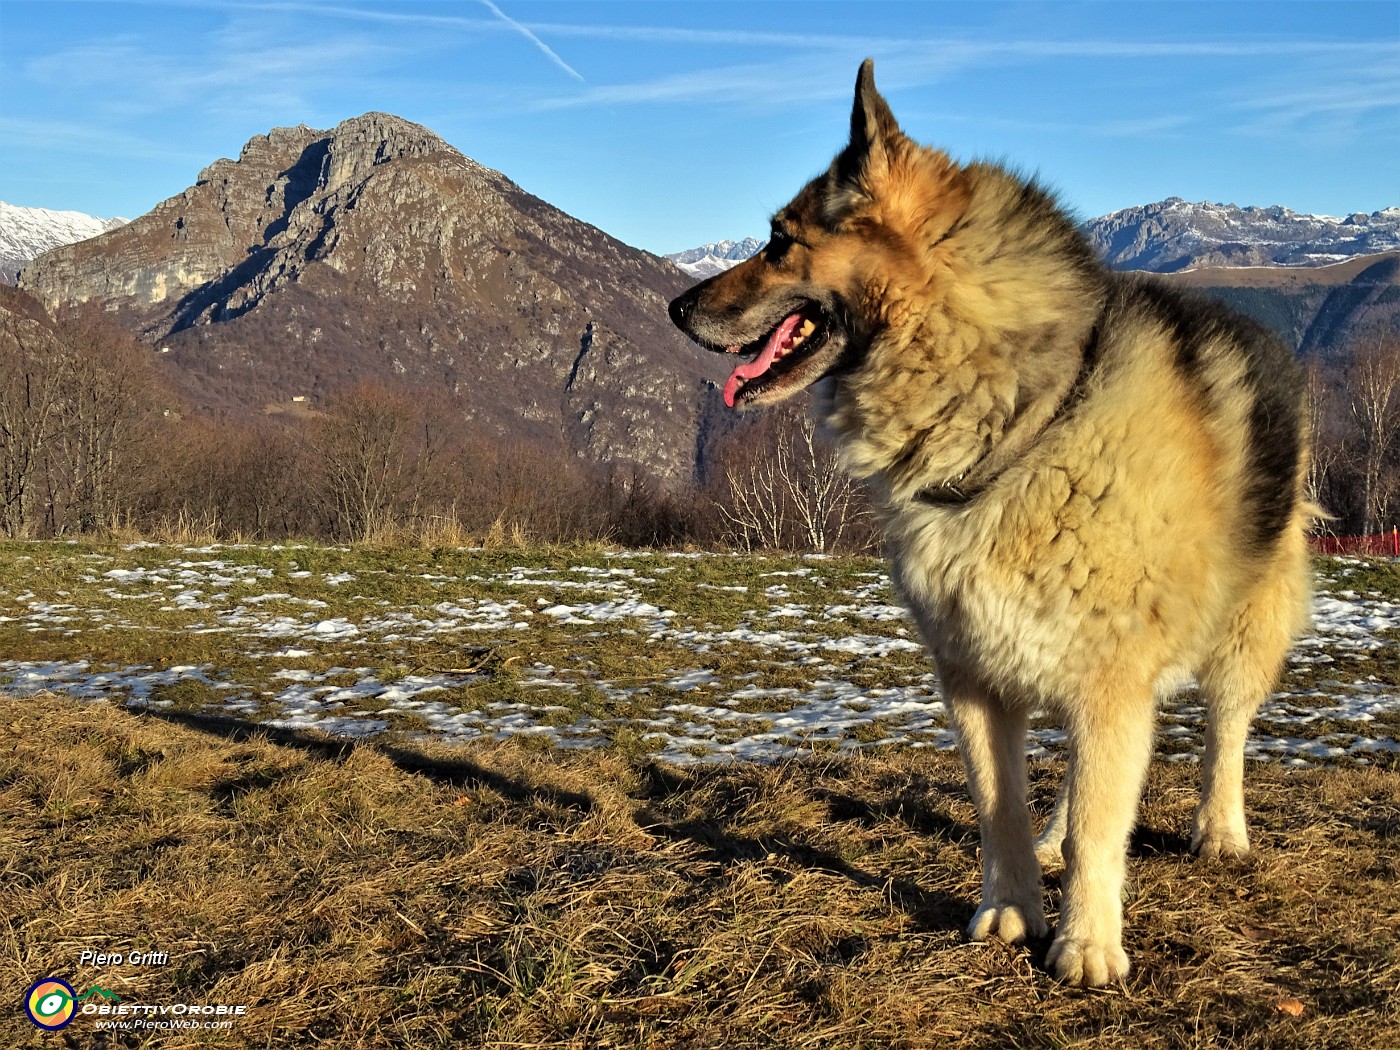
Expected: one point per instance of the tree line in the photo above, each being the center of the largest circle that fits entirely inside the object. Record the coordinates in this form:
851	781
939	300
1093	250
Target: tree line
92	441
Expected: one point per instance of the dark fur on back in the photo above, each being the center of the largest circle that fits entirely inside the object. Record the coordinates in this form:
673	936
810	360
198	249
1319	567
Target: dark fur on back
1274	379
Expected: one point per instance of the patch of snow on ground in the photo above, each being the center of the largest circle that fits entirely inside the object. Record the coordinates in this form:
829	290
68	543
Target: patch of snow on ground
725	717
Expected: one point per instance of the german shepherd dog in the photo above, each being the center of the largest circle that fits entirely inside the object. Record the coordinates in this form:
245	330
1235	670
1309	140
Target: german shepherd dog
1091	490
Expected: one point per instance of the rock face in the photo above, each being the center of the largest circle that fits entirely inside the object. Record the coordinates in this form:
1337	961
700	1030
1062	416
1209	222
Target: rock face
377	251
1174	235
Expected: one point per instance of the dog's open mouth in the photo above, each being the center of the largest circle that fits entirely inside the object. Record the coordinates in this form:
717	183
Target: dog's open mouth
797	337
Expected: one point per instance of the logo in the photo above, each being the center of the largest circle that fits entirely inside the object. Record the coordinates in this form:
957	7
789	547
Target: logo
111	997
50	1003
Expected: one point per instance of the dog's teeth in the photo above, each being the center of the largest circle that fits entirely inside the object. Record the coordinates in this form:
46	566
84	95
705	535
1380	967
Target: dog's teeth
807	328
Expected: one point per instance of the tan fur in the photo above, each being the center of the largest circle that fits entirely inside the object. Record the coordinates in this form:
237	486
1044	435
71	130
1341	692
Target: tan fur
1104	555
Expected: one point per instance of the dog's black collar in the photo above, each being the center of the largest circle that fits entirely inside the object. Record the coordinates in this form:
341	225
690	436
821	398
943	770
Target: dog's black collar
971	483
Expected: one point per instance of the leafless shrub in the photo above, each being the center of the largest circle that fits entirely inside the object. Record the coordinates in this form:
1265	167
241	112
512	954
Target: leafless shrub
782	488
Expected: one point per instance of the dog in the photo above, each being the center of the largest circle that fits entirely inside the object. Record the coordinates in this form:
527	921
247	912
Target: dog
1091	488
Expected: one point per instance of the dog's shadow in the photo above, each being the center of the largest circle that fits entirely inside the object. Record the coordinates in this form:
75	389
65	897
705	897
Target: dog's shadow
724	844
455	771
714	832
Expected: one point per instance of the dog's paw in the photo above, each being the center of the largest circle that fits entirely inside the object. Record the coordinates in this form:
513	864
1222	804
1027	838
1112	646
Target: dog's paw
1214	842
1086	963
1013	923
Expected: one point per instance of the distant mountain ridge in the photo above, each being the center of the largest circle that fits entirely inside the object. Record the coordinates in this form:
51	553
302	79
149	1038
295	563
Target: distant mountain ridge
1175	235
376	251
26	233
715	257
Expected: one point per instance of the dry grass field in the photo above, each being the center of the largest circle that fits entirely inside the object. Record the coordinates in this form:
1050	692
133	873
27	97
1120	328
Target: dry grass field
495	894
587	798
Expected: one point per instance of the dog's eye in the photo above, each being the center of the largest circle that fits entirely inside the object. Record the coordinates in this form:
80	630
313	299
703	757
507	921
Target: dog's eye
778	245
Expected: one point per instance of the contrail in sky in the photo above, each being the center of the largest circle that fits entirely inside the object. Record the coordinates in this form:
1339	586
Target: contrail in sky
533	39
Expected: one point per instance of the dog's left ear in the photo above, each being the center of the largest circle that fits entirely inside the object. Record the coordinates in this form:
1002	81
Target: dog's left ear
873	129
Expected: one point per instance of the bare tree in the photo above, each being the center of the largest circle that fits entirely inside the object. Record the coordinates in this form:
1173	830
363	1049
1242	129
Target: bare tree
109	407
362	446
31	401
826	502
1372	381
782	488
77	401
1326	463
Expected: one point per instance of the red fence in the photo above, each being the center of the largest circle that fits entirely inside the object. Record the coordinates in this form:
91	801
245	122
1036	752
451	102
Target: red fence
1386	543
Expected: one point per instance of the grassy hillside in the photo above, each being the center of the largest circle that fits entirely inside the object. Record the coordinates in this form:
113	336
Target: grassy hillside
1317	310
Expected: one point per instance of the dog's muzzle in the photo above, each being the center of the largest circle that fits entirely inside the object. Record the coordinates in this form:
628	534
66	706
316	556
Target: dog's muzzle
682	306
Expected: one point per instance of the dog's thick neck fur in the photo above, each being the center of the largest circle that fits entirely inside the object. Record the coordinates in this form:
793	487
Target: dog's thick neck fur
971	352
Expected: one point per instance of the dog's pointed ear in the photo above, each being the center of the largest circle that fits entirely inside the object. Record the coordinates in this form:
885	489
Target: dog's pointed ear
872	123
873	130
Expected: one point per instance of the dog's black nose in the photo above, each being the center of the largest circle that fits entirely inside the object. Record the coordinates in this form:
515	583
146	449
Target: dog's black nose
681	308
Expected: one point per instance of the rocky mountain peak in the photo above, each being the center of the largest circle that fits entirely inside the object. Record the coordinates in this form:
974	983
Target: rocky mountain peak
715	257
244	226
375	250
357	145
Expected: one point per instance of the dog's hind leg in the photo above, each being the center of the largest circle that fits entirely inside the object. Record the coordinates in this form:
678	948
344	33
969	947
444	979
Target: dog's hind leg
992	739
1235	679
1049	844
1110	736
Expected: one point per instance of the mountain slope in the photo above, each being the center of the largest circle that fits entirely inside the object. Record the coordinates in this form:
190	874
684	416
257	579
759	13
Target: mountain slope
28	232
1317	310
377	251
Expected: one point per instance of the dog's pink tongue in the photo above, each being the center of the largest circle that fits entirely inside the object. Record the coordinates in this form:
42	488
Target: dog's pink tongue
763	361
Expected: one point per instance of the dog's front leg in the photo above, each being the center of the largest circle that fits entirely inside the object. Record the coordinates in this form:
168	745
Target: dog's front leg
992	738
1110	739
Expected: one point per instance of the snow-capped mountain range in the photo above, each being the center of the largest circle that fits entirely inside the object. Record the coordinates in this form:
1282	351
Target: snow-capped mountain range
1175	235
26	233
716	257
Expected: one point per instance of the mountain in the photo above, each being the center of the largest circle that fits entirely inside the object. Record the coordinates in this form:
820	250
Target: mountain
377	251
1317	309
716	257
28	232
1174	235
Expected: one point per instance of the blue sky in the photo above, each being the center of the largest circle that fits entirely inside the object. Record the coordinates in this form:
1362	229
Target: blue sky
673	123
